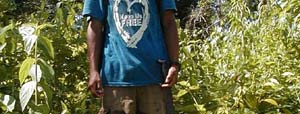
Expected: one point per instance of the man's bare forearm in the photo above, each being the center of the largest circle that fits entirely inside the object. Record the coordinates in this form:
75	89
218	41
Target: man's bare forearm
95	44
171	35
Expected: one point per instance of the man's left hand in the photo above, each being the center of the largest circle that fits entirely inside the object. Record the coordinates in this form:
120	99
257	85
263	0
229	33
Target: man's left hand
171	78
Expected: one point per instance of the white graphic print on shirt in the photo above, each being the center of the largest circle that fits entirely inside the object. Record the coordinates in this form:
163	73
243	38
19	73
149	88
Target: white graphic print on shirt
131	19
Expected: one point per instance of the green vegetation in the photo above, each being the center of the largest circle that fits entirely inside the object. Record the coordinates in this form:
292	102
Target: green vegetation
239	56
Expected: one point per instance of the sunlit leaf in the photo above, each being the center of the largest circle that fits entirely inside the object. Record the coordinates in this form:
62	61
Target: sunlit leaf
2	106
45	25
271	101
46	45
29	37
8	101
26	92
181	93
273	80
27	30
59	13
184	83
35	73
2	47
24	70
6	28
29	42
48	72
272	83
287	74
65	108
200	108
70	20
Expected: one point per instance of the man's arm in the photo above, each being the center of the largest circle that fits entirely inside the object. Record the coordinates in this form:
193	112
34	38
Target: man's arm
171	38
95	44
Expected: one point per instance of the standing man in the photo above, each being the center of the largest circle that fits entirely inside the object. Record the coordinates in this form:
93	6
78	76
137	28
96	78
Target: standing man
126	38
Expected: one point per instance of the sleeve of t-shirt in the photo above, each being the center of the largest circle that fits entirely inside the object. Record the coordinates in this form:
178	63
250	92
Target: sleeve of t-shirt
93	9
168	5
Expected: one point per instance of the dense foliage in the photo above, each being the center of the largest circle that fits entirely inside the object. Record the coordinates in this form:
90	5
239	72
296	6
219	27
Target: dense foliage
239	56
249	61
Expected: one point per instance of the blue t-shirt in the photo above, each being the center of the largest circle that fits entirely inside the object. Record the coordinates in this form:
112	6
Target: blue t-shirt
134	40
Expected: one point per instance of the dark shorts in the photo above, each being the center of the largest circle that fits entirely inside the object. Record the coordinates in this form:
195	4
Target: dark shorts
133	100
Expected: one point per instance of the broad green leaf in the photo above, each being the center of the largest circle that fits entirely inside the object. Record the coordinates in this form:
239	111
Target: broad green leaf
8	101
186	51
184	83
182	35
48	72
2	39
43	4
29	42
29	38
45	25
70	20
11	44
46	45
271	101
48	92
59	13
83	103
39	109
286	111
181	93
3	107
24	70
26	92
251	101
6	28
35	73
200	108
65	108
3	36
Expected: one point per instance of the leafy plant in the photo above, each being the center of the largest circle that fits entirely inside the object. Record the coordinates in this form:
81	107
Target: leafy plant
246	64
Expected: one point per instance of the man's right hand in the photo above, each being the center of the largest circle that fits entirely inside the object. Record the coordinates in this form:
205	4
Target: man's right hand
95	85
95	41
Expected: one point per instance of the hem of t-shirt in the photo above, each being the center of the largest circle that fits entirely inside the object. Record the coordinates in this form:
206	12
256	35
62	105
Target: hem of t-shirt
172	9
129	84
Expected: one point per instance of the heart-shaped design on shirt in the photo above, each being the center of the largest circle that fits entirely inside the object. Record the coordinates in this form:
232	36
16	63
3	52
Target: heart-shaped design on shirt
131	40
